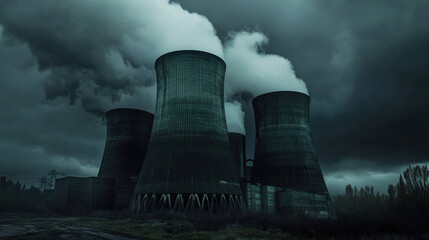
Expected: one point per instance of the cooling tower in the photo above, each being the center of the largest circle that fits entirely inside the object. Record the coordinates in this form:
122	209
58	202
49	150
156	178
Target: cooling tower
238	147
248	169
128	133
284	152
189	164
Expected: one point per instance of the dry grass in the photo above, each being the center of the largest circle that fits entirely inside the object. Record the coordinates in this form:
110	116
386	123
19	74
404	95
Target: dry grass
183	230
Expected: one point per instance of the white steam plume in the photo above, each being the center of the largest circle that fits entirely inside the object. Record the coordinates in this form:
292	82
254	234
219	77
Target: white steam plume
234	117
250	70
166	27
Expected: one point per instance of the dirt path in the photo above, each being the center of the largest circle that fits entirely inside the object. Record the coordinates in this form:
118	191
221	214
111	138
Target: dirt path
52	228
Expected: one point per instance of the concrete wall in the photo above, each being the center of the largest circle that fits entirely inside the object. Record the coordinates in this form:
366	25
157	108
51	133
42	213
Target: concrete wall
275	200
260	198
78	194
289	202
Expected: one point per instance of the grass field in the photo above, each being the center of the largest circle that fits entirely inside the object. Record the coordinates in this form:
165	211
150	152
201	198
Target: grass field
105	226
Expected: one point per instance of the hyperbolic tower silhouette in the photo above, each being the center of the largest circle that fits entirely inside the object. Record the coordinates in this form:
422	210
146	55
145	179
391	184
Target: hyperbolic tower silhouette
128	133
189	164
284	152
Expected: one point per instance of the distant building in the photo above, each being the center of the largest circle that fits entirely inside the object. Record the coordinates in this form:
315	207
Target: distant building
274	200
76	194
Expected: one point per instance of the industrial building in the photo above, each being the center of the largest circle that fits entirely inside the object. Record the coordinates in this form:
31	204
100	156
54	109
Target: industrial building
189	163
272	200
77	194
127	139
183	159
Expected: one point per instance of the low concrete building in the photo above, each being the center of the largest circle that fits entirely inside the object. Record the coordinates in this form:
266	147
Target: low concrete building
83	194
292	203
276	200
260	198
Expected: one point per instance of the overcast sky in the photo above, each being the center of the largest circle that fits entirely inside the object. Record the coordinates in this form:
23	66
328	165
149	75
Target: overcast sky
364	64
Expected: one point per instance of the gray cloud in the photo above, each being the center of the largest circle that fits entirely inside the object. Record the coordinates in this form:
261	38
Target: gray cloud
38	136
364	64
99	56
108	53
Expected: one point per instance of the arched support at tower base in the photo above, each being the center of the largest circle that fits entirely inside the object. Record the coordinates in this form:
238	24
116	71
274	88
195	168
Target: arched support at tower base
188	203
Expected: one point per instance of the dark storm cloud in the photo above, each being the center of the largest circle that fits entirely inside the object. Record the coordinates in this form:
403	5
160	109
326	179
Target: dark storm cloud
97	56
103	56
386	115
37	136
364	63
88	52
60	61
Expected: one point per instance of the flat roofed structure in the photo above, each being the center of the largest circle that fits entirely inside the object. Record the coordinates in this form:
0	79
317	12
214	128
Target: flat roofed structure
84	194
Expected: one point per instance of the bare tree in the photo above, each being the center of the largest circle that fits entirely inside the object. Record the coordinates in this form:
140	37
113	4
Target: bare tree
416	184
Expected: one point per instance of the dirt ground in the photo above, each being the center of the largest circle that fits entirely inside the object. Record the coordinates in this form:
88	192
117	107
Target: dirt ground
18	226
29	227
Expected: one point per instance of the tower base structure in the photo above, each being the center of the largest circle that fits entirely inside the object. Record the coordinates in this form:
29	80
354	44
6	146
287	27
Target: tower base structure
272	200
188	203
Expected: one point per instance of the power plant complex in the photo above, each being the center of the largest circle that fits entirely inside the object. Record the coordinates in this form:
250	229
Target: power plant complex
182	158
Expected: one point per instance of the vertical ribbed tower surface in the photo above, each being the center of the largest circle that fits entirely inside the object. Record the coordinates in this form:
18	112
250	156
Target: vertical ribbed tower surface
128	133
284	152
238	147
189	164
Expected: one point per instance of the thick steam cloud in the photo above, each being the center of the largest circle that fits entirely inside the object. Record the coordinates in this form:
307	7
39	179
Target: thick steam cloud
234	117
250	70
101	52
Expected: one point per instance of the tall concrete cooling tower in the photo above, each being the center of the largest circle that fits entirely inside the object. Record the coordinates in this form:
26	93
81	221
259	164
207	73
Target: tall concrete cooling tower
284	152
189	164
238	147
128	133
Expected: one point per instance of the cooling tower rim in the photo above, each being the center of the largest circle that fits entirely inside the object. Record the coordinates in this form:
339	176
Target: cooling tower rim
189	51
237	133
143	112
278	93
